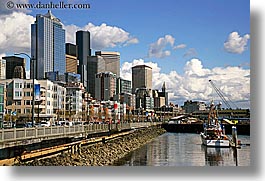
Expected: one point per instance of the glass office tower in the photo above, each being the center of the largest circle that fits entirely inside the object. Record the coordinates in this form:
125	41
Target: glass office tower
48	45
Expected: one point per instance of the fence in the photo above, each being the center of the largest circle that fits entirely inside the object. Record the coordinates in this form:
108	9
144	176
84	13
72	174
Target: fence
41	133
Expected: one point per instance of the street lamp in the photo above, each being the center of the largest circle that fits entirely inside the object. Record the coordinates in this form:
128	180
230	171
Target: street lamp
33	83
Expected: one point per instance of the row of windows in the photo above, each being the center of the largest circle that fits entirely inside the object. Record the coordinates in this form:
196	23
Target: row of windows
25	111
26	85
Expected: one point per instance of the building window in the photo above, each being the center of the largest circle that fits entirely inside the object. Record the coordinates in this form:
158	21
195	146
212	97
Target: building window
27	94
1	89
18	93
27	102
16	85
28	85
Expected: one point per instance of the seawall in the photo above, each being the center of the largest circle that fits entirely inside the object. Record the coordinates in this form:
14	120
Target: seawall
102	153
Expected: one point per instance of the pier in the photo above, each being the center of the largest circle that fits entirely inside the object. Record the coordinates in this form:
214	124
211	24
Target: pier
242	129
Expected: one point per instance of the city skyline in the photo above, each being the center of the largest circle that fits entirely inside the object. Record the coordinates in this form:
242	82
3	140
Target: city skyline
185	46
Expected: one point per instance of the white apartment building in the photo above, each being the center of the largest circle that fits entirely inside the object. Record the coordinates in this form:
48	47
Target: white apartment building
49	98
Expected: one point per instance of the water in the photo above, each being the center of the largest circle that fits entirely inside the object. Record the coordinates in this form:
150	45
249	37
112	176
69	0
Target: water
179	149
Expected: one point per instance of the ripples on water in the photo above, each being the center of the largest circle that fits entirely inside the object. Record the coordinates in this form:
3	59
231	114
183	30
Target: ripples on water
178	149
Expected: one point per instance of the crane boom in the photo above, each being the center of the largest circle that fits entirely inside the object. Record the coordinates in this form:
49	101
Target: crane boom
221	95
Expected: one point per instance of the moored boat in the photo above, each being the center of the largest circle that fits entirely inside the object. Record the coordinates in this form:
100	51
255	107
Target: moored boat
213	134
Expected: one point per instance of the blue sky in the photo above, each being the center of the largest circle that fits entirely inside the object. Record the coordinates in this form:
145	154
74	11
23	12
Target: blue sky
187	42
201	25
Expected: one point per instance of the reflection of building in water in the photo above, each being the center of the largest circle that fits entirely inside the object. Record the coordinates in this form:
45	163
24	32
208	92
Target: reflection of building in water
216	156
157	151
138	157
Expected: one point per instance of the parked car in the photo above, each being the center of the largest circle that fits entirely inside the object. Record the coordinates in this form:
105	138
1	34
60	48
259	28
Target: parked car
44	124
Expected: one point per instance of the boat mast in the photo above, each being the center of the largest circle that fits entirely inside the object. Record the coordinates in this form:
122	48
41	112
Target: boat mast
212	116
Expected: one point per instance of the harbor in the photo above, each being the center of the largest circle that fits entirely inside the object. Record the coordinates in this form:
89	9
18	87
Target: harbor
89	88
129	144
185	149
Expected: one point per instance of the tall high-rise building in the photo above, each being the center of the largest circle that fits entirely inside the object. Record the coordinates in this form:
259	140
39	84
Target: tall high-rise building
95	64
105	86
83	51
112	61
2	69
164	93
71	49
71	58
141	77
123	86
48	45
11	63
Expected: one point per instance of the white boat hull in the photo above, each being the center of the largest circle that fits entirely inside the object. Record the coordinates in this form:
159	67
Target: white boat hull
214	142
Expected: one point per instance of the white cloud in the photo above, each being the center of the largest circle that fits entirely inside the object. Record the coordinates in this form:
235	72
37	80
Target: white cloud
15	33
8	7
103	36
235	43
180	46
190	53
157	49
194	83
2	55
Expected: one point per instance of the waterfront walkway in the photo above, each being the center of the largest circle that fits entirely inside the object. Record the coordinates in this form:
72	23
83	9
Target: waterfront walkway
25	136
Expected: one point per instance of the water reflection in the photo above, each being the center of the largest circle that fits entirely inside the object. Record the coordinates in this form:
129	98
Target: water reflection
178	149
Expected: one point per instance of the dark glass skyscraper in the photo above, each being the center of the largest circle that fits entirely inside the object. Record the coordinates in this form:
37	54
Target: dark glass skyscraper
83	51
48	45
95	65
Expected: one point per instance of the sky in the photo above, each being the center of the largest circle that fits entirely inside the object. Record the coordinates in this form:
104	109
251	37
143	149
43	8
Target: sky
186	42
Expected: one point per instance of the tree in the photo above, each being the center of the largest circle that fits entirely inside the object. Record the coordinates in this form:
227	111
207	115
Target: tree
106	113
91	112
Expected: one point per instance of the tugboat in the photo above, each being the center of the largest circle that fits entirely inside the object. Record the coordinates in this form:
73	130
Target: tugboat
214	134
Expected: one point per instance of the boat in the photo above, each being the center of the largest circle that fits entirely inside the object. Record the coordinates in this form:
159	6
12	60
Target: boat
214	134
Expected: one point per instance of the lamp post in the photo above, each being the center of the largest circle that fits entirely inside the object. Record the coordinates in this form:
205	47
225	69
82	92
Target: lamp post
33	83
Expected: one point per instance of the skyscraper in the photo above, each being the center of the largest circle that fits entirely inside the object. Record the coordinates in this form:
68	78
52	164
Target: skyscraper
112	61
95	64
11	63
105	85
123	86
83	51
141	77
164	93
48	45
71	58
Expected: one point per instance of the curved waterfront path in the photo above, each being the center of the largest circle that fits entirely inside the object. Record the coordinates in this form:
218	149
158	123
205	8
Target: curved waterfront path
101	154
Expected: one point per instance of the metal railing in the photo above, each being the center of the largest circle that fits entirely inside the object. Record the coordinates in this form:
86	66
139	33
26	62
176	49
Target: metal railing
20	134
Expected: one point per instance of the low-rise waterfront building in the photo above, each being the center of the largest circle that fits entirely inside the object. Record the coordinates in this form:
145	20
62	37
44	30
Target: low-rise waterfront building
2	100
191	106
2	68
18	100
